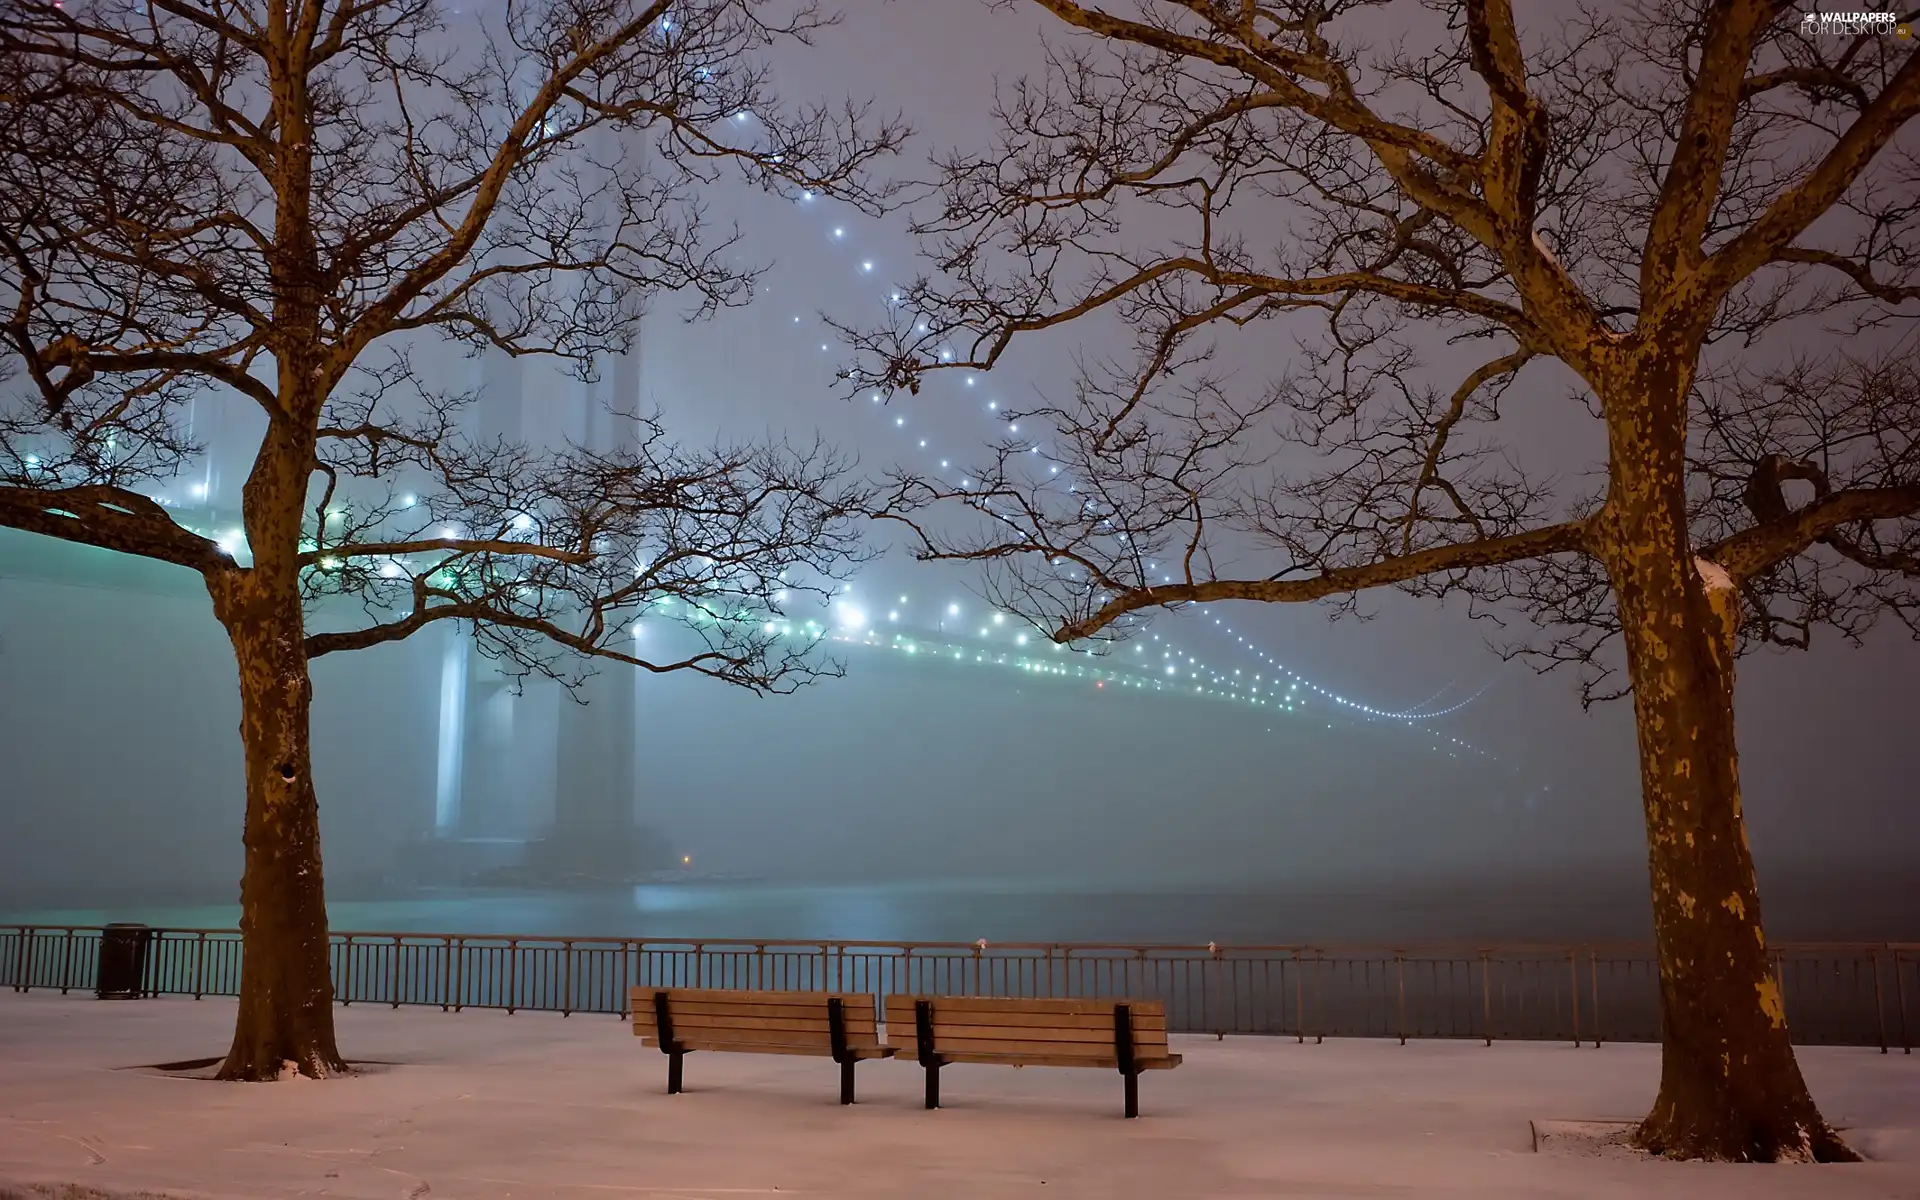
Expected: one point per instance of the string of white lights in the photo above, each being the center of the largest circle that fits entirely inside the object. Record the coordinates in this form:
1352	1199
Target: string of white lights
1263	682
1233	680
1104	670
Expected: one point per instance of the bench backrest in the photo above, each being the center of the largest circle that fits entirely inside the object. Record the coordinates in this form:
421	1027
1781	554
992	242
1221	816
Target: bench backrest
784	1020
1044	1028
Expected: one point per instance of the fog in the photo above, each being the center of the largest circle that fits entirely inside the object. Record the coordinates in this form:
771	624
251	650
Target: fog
120	789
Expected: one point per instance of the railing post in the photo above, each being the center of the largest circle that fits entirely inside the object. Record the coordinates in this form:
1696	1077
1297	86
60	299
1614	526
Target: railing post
66	964
1299	1000
143	985
393	971
346	958
200	965
1879	1003
1593	981
26	958
1900	998
513	974
1486	996
566	979
1573	994
1127	989
1400	974
460	973
1319	996
1206	1010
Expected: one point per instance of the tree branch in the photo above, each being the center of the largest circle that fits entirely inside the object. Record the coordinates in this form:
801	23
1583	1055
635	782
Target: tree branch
112	519
451	545
1797	207
1759	549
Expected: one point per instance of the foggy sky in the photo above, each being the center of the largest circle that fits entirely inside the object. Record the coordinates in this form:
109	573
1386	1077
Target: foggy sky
118	715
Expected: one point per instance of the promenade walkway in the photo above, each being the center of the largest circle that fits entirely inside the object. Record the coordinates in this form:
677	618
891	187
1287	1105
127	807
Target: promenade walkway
485	1105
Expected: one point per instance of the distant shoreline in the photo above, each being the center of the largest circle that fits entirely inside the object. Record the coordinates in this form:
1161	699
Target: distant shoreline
1570	881
1567	908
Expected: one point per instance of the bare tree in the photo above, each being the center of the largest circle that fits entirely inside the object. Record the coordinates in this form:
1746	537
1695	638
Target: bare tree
1625	201
273	202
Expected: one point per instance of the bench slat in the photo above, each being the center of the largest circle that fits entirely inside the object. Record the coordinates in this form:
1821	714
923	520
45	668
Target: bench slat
1072	1033
973	1027
729	1033
901	1009
943	1039
728	998
1079	1052
1032	1060
817	1015
731	1046
691	1021
993	1040
1039	1005
741	995
1095	1024
818	1008
773	1037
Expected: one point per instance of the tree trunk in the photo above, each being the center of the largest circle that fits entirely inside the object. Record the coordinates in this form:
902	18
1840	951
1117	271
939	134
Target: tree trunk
286	991
1730	1087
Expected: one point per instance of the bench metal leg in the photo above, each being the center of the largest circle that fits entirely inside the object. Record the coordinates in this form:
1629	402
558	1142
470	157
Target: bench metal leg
846	1082
673	1072
929	1053
1133	1095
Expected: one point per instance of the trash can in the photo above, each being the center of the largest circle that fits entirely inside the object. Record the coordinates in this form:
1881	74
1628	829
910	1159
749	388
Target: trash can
123	961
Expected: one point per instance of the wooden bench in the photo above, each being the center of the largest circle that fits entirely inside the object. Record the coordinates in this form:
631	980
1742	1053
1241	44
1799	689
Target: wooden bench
1127	1035
682	1020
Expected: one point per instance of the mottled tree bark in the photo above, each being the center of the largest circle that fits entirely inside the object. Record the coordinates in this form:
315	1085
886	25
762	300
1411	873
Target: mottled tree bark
1730	1087
286	989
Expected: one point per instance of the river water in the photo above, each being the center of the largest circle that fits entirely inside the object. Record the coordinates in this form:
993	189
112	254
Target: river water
1554	908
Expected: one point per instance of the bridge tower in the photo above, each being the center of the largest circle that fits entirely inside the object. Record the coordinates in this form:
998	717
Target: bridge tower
543	783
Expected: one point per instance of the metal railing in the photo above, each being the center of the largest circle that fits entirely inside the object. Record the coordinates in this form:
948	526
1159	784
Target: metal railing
1835	994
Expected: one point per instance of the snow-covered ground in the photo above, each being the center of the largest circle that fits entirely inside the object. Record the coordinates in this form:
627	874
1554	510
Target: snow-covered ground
481	1104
